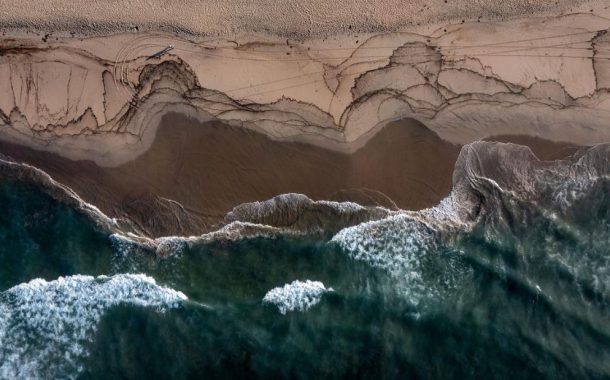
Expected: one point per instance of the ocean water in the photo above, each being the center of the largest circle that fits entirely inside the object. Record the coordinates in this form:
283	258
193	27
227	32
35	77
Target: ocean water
524	293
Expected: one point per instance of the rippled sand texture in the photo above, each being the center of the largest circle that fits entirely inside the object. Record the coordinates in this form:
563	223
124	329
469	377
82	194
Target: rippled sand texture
286	18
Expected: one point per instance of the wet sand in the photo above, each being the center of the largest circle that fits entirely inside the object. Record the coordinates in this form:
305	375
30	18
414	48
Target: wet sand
543	149
195	173
210	168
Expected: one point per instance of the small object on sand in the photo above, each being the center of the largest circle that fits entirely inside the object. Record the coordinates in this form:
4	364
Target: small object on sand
160	53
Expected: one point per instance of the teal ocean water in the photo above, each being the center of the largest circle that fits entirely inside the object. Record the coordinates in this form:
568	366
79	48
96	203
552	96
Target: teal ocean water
523	294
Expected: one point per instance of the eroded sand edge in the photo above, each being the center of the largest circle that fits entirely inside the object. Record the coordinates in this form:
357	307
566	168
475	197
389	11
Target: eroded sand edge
100	99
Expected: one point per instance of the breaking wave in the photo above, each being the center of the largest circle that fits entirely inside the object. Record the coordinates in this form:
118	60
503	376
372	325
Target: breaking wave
512	265
46	325
296	296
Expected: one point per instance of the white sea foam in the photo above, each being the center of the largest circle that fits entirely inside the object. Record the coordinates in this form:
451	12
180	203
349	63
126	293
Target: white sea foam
391	243
296	296
127	243
94	212
44	325
568	190
445	211
396	244
342	207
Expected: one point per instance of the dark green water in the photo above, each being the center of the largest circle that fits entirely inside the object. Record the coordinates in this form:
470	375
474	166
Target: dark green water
522	296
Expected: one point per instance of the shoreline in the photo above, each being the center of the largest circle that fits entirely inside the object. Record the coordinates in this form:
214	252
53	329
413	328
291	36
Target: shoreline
203	170
194	173
314	116
305	188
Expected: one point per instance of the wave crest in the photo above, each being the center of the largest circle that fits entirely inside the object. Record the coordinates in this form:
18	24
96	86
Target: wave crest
296	296
44	325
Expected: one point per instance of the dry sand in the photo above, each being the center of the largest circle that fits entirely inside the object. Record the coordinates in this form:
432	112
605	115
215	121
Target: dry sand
286	18
100	99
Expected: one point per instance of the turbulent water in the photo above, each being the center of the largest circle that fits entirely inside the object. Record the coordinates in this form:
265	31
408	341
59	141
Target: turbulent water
520	291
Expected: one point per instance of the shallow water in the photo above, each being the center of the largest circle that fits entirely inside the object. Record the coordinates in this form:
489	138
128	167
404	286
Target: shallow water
522	295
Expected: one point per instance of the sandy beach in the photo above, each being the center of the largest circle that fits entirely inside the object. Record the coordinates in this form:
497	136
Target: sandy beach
305	189
194	174
207	169
370	107
291	18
